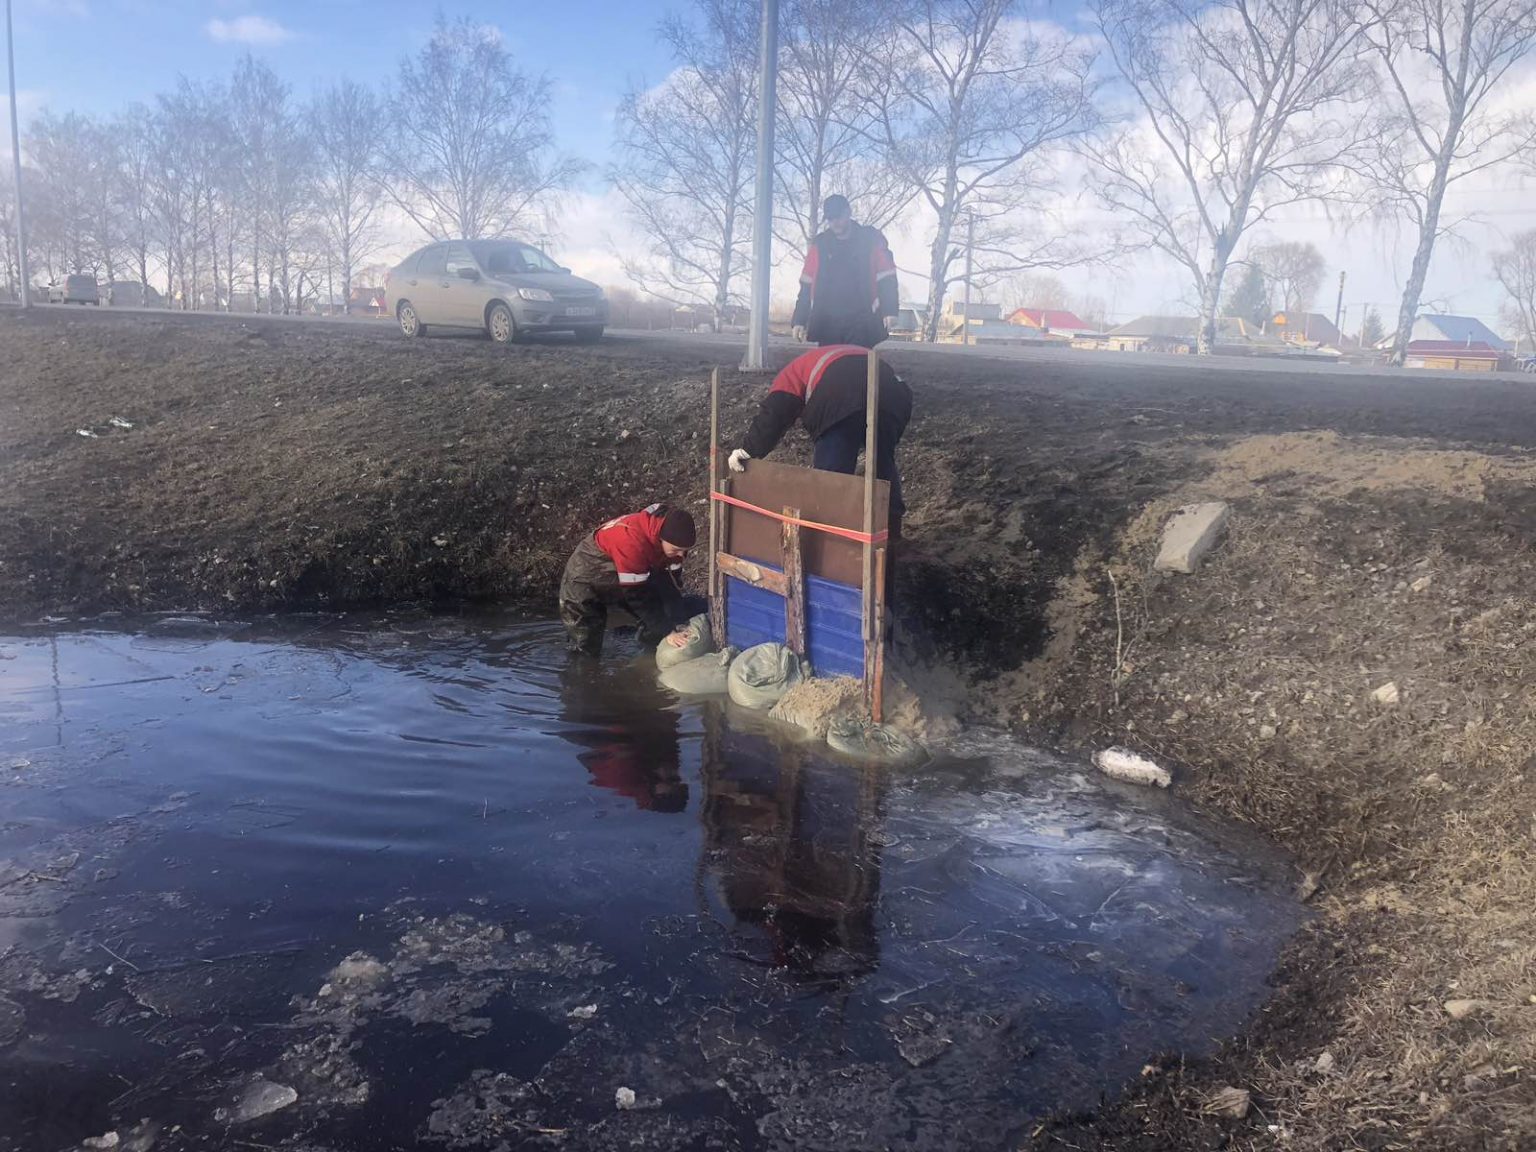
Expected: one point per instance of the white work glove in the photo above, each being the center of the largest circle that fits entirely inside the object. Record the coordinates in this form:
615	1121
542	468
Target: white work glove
738	460
888	321
798	332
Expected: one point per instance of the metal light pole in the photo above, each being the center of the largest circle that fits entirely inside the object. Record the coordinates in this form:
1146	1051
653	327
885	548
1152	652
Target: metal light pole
21	228
1338	308
762	220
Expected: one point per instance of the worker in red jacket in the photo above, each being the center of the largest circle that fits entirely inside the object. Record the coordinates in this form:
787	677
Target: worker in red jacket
635	561
826	389
848	291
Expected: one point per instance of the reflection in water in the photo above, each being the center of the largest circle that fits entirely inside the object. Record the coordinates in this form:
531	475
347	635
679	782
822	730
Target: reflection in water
794	852
632	751
455	889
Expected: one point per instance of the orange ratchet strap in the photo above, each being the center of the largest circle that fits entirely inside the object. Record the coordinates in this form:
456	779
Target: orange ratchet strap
830	529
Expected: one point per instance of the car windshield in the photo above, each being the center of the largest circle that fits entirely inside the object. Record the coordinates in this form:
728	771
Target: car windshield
502	258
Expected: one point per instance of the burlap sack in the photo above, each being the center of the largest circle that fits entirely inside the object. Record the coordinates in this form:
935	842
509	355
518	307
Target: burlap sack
701	676
760	675
857	737
700	643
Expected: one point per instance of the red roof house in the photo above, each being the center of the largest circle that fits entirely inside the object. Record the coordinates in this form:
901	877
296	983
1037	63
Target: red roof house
1050	320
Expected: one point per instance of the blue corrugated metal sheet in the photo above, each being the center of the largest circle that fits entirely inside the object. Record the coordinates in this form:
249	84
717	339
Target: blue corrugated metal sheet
833	624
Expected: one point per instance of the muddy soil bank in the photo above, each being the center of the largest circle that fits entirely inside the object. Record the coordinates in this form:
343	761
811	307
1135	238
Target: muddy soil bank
1381	535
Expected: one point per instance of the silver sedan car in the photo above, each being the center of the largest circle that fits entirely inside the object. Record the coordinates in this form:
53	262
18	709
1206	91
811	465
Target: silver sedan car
504	287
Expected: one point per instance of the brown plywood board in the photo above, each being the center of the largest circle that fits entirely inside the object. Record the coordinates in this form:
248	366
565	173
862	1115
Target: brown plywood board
826	497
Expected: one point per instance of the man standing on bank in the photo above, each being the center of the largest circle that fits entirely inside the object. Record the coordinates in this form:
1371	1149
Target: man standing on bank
635	562
848	289
826	389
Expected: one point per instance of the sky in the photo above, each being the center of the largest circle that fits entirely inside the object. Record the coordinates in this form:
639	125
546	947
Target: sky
99	55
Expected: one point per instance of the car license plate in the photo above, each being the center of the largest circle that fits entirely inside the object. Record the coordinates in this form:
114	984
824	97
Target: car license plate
581	311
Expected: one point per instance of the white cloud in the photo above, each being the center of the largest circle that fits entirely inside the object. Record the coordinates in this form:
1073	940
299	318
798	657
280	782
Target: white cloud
247	30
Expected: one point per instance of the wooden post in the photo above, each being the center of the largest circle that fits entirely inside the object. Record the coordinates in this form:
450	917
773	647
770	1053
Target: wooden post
716	587
877	673
794	586
871	422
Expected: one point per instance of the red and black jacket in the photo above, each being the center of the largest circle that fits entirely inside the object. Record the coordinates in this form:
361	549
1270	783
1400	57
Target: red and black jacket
844	281
623	562
633	543
821	388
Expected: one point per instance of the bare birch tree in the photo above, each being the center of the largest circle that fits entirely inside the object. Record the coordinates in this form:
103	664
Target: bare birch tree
685	159
1515	270
169	199
1293	271
1445	63
471	154
135	132
1036	290
183	163
104	224
8	254
1239	109
974	104
347	122
60	148
254	93
826	139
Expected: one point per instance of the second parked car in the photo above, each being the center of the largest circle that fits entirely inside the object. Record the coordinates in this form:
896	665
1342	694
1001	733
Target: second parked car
504	287
78	289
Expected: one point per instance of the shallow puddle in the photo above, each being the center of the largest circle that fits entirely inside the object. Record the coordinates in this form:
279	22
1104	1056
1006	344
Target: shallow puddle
418	881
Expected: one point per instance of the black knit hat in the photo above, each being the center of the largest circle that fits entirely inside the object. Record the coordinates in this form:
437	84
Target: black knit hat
677	529
836	206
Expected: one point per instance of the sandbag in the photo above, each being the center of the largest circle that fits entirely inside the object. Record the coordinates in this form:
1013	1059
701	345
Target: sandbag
701	676
1123	764
811	704
854	736
700	643
761	674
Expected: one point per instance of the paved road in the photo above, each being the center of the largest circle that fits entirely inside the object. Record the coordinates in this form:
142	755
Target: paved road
1111	361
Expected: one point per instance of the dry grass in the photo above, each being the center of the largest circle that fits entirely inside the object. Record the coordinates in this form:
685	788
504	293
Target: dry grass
1343	573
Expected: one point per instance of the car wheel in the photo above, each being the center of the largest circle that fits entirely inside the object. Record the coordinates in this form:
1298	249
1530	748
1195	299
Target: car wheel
410	323
499	323
591	334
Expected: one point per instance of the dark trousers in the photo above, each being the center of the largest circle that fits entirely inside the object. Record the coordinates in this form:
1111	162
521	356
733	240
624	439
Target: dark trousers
862	328
584	612
837	450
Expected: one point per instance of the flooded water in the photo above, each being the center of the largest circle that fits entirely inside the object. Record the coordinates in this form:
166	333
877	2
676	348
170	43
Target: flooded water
419	882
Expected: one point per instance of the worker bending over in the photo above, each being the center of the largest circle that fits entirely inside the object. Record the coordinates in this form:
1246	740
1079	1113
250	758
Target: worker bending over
636	562
826	389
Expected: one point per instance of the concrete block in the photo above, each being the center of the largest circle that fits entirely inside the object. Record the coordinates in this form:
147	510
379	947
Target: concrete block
1190	533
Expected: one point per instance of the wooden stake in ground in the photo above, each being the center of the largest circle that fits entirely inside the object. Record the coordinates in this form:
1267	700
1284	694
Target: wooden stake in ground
715	588
794	585
877	691
871	420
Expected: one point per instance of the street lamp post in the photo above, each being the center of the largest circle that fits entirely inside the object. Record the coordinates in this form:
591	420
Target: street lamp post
762	220
21	228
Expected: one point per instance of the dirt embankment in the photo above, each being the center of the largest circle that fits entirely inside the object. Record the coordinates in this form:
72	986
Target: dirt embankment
1381	535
